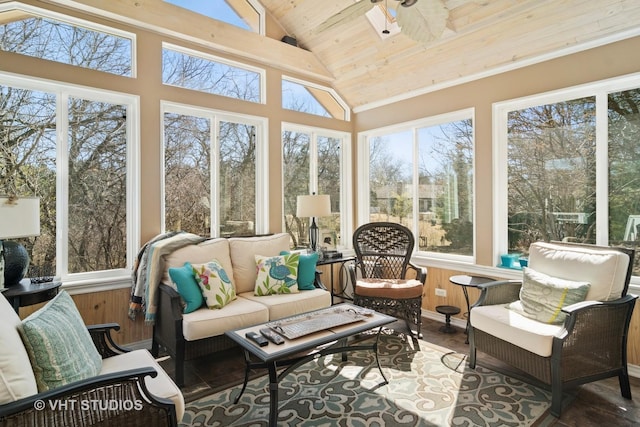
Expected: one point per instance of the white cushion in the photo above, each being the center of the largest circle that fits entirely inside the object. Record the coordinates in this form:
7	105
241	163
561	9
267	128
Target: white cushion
160	386
243	251
510	326
16	376
605	269
209	250
239	313
283	305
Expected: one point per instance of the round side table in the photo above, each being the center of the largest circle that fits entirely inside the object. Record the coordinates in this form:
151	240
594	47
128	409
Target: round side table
466	282
26	293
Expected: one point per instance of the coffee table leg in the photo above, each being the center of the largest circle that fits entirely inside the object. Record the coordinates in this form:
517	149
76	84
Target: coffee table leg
375	351
247	361
273	395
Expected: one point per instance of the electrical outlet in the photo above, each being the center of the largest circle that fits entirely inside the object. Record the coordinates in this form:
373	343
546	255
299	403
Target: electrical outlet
441	292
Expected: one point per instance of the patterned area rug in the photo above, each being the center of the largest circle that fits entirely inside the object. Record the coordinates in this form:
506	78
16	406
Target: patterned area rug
428	386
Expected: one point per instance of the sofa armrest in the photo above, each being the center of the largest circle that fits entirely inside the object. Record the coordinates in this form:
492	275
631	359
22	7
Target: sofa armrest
498	292
103	340
317	282
167	328
102	400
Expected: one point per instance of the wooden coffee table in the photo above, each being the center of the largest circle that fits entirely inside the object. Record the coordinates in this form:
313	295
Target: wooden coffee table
296	352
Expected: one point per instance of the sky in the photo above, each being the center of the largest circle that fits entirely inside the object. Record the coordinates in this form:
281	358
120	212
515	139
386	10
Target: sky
217	9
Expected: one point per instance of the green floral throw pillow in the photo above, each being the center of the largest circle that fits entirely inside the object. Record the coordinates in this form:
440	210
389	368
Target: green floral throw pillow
277	274
214	283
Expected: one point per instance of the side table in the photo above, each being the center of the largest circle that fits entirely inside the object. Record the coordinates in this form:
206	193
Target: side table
26	293
342	292
466	282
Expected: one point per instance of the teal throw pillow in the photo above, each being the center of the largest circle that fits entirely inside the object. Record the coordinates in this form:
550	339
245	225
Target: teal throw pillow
187	286
306	270
59	346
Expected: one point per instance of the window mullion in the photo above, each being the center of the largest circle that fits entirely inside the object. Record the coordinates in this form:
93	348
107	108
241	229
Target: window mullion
602	169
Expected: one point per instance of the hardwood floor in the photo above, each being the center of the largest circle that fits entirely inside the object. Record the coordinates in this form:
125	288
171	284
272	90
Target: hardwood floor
594	404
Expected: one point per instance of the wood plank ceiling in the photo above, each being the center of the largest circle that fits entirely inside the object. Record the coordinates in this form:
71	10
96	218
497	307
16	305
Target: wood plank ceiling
481	37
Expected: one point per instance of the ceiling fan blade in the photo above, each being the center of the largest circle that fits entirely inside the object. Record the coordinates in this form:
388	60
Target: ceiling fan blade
346	15
425	21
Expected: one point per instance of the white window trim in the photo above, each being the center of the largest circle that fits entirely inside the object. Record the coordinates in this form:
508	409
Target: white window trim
346	208
600	91
363	190
108	279
262	162
213	58
76	22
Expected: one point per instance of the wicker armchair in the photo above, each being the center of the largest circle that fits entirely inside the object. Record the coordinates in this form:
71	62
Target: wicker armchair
589	345
125	393
384	278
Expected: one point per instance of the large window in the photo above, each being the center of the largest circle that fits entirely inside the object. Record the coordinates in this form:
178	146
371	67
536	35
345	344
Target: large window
571	162
313	161
75	150
41	34
214	174
420	175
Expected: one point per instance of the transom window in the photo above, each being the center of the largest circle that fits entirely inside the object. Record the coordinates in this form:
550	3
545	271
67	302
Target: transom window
305	97
245	14
42	34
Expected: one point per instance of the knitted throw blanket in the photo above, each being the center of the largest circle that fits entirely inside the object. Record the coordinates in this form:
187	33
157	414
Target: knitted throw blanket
149	268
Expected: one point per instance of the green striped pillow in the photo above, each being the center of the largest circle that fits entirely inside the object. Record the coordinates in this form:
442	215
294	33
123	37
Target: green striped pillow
59	346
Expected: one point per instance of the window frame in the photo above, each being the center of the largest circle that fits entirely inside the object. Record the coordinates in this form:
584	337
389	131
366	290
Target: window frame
213	58
96	280
77	22
364	144
346	207
262	161
600	90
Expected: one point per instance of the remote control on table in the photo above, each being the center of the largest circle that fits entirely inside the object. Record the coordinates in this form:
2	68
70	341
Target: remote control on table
272	336
257	338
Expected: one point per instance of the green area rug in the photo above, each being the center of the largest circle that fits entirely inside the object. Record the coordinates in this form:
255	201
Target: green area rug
428	386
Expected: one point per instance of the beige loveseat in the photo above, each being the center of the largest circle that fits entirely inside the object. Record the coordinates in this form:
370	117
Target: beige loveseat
201	332
128	387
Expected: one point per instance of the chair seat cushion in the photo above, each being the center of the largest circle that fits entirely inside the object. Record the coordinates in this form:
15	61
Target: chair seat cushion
160	386
508	325
389	288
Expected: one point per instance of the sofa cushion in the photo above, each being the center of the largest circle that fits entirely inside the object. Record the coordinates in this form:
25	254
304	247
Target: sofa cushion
543	296
277	274
160	386
243	251
214	283
306	270
283	305
58	343
217	249
239	313
188	288
511	326
604	268
16	377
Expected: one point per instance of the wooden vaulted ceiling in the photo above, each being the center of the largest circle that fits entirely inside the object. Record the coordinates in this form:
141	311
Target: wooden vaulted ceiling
481	37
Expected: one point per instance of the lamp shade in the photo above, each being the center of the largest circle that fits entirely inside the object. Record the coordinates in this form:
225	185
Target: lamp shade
314	205
19	217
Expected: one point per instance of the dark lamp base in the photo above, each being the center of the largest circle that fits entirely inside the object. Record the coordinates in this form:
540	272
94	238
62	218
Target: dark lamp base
16	262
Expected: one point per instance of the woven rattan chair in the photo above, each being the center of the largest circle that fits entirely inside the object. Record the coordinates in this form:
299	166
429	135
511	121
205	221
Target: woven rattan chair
384	278
588	345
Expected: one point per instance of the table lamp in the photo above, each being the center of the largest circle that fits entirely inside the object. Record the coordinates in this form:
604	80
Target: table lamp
19	217
313	206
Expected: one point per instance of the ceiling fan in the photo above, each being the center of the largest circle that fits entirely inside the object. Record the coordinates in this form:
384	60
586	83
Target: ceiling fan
421	20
